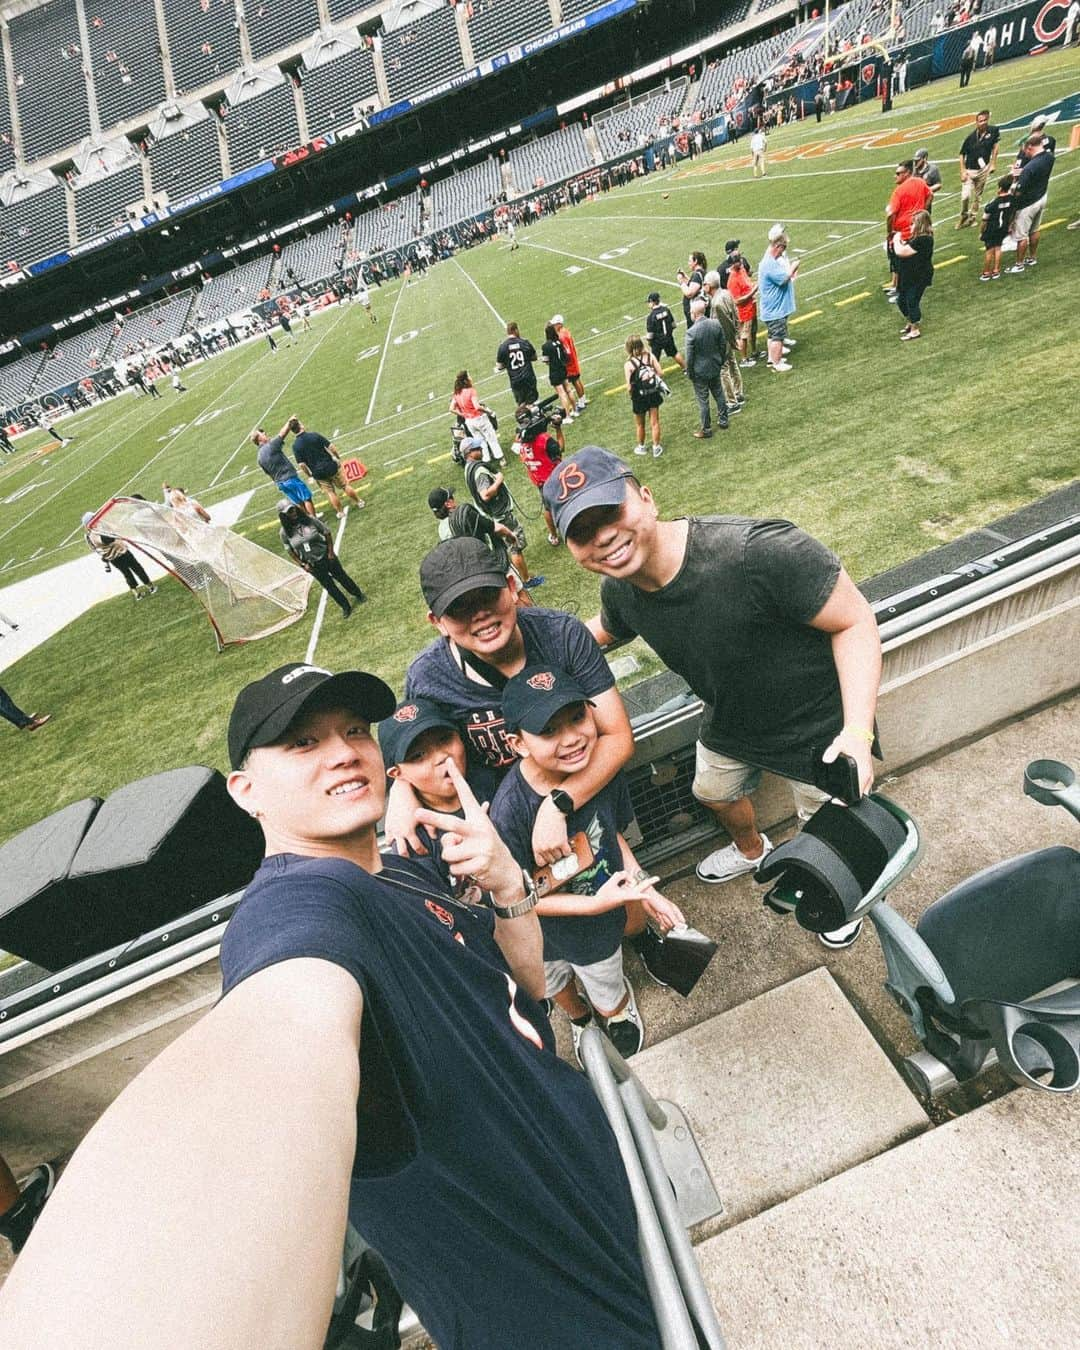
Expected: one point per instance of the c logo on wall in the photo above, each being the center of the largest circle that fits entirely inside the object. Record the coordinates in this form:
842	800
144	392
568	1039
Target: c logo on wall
1041	26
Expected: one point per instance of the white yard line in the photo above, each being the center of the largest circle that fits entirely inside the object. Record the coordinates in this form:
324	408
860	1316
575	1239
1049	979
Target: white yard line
806	299
320	613
386	348
258	422
734	220
579	257
480	293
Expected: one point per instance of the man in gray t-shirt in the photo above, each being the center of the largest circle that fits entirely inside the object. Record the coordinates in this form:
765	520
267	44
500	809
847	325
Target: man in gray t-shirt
280	469
758	617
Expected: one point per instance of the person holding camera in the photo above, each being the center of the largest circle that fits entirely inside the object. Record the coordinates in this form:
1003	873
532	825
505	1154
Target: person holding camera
310	544
539	450
691	283
478	419
492	497
759	618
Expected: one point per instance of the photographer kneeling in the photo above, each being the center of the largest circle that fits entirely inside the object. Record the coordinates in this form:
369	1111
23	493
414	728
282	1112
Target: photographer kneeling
540	452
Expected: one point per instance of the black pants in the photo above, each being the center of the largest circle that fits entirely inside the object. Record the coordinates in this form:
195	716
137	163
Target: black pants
330	570
909	299
131	569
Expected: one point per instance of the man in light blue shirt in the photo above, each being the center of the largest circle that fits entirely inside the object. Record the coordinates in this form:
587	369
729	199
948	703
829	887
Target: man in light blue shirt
776	282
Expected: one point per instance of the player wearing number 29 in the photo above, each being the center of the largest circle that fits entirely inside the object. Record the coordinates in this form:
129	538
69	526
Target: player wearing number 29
517	356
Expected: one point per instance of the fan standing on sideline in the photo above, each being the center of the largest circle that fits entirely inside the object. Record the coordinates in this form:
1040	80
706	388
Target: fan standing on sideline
573	362
1029	195
311	544
660	330
517	356
910	194
978	158
776	282
280	469
318	458
758	617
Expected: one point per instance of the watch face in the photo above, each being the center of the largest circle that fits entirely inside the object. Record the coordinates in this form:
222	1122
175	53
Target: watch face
563	801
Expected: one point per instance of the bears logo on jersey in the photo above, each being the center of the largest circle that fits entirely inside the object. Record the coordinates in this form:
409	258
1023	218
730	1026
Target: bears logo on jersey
443	915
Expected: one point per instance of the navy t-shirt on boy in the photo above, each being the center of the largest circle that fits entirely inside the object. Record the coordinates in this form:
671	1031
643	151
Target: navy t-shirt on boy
581	939
485	1172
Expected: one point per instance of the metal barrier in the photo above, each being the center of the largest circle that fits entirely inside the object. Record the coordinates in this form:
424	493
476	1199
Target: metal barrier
662	1194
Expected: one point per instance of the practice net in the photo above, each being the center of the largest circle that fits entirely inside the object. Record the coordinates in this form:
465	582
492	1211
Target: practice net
247	591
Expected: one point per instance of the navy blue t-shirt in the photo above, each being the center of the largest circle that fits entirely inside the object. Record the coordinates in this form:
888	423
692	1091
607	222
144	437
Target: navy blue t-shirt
551	638
310	449
581	939
485	1172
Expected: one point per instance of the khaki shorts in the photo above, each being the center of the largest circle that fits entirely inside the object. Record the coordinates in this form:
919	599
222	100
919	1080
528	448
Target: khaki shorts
1028	219
338	482
745	327
718	779
602	981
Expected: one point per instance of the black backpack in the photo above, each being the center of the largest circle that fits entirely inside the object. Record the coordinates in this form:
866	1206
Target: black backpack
643	378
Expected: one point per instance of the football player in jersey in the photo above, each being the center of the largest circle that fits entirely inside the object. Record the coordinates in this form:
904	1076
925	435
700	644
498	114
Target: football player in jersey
660	330
517	356
372	1032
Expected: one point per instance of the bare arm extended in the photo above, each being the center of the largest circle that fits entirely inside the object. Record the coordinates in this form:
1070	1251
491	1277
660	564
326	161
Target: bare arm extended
207	1206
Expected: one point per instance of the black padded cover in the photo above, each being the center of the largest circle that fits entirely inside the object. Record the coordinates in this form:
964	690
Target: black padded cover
33	866
155	850
1010	930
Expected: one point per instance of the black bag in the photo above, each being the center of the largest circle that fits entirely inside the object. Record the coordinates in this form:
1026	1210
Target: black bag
677	959
491	418
643	379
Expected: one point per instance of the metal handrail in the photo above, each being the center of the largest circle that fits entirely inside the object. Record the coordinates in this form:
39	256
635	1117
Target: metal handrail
672	1275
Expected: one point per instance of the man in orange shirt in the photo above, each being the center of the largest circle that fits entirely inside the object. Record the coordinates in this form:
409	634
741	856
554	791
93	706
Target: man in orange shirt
573	362
743	291
910	194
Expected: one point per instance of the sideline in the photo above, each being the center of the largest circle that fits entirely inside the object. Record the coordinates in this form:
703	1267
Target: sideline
48	601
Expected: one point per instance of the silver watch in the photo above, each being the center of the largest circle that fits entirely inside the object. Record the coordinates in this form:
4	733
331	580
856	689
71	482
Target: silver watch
523	906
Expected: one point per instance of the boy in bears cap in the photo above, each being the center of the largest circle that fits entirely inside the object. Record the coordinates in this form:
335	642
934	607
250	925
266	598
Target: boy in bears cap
554	733
378	1049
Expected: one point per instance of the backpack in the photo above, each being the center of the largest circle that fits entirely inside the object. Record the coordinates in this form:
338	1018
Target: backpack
643	379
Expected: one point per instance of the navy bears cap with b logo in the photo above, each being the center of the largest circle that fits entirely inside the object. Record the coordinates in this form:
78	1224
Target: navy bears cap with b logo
534	695
592	477
265	709
408	720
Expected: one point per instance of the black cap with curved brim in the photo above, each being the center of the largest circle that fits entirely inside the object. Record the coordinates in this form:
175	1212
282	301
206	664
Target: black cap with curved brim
532	697
410	719
732	245
265	710
438	497
456	567
593	477
653	297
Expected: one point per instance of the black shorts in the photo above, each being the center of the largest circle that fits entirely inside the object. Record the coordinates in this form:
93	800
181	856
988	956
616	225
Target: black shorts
524	393
663	346
643	403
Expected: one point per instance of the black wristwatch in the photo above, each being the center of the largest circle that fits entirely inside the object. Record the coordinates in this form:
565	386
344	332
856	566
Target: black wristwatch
523	906
563	802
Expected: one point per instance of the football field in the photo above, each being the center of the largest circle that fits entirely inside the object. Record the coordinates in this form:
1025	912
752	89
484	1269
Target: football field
880	448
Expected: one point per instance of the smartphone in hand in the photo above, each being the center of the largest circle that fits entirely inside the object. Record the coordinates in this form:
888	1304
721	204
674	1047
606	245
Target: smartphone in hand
839	779
550	878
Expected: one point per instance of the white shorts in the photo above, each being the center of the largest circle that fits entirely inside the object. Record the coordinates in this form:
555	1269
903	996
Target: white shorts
720	779
1028	219
602	981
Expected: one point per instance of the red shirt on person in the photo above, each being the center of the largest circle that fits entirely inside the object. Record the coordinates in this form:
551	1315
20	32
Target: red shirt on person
540	457
466	402
739	285
912	195
573	362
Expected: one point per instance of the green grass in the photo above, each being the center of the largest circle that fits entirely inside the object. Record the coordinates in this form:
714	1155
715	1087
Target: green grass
882	449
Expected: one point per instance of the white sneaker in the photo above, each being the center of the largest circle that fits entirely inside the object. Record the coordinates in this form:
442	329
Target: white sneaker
568	417
580	405
841	937
726	863
789	343
640	450
657	451
781	365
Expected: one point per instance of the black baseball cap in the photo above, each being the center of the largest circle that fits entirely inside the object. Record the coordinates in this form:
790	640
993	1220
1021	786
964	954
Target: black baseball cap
653	297
732	244
438	497
410	719
455	567
532	697
265	710
593	477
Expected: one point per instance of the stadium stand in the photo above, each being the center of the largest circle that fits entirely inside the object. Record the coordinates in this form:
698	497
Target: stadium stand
103	202
125	53
71	358
465	194
157	324
421	55
7	138
389	226
275	24
574	9
50	86
36	225
204	44
343	9
337	81
550	159
186	154
17	377
497	25
261	125
315	258
239	289
639	124
771	4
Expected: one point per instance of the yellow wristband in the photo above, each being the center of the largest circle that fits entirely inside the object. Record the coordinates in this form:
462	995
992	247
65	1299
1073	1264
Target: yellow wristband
867	736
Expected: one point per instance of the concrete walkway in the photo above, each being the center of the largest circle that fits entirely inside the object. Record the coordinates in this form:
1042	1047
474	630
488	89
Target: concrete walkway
44	604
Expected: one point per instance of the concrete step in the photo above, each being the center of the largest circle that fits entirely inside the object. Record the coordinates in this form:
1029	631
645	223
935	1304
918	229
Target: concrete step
963	1237
782	1092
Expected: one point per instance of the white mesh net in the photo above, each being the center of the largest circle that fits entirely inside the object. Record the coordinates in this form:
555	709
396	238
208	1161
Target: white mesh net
247	592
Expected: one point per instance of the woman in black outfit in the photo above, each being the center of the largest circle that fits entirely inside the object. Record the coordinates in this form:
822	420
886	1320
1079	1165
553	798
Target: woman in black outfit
914	272
554	353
